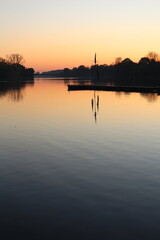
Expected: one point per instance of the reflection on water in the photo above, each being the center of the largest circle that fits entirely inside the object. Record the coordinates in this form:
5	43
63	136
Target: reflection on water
151	97
95	105
64	177
14	90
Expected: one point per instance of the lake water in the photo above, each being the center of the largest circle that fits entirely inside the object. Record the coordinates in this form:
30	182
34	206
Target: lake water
78	165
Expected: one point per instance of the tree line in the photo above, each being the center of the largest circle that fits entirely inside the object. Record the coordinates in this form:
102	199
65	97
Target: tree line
11	68
146	71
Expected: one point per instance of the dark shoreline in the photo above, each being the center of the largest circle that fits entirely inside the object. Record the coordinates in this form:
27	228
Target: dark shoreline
138	89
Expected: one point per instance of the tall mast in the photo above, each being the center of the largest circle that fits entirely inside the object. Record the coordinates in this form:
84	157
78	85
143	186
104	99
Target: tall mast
95	59
96	66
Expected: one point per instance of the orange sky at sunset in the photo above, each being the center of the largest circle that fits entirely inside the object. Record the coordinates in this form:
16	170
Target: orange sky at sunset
57	34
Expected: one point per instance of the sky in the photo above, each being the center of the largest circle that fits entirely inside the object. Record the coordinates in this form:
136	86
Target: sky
54	34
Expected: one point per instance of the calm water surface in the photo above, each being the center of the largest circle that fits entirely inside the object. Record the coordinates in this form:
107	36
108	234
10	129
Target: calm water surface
78	165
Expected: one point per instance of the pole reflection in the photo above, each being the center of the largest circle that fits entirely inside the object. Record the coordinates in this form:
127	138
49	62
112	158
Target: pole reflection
95	105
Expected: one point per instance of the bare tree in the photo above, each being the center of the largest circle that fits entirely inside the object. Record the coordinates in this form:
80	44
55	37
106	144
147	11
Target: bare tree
153	56
15	59
118	60
2	60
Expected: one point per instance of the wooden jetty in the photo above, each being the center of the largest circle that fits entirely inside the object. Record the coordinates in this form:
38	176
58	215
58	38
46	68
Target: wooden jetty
139	89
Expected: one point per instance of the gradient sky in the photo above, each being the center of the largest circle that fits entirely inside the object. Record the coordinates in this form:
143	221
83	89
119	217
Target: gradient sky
53	34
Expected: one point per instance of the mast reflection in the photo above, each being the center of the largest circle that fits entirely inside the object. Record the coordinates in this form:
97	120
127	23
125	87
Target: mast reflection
95	105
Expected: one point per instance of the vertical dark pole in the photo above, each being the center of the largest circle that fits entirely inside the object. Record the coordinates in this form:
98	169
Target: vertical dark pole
97	73
97	70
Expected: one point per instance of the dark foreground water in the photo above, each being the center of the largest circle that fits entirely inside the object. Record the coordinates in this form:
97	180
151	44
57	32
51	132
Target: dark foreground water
78	165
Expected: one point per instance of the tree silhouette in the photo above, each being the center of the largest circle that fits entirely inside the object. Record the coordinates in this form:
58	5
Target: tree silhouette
12	68
2	60
153	56
127	61
15	58
144	61
118	60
